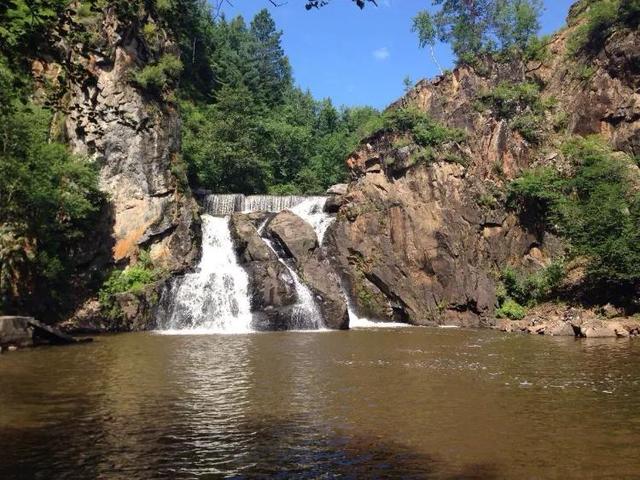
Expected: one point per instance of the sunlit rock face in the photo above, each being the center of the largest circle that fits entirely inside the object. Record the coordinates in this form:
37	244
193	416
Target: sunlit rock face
135	139
423	243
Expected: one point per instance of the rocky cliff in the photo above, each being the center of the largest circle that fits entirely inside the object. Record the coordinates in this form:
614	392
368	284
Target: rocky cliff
423	241
131	133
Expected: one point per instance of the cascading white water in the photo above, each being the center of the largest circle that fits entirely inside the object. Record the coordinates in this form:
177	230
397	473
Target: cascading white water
312	211
215	297
306	314
270	203
223	204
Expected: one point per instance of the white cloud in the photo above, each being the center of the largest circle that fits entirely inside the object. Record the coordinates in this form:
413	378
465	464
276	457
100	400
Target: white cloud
381	53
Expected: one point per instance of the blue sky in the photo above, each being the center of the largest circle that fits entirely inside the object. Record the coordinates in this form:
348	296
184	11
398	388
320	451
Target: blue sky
360	57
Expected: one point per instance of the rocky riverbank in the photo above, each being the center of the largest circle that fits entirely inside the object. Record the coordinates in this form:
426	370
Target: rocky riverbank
566	321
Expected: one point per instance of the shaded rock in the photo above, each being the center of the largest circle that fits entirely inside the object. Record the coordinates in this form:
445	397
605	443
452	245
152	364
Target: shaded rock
295	236
318	275
16	331
273	319
89	318
19	332
333	203
136	312
270	284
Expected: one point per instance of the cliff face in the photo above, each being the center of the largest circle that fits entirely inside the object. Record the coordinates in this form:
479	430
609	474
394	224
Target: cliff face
424	243
133	136
135	139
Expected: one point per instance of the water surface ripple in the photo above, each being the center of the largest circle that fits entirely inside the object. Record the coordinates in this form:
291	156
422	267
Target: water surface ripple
397	403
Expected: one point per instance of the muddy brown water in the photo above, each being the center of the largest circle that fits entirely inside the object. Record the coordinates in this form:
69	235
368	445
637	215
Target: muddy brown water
395	403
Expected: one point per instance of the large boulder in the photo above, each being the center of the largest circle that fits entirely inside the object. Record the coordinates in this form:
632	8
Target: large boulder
19	332
319	276
297	240
270	284
293	235
246	239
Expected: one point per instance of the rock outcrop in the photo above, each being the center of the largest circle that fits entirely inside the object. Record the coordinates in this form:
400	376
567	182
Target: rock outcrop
132	135
423	242
134	138
271	288
20	332
298	241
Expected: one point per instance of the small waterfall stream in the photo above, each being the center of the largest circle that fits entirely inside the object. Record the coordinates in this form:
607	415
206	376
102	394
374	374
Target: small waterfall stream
306	314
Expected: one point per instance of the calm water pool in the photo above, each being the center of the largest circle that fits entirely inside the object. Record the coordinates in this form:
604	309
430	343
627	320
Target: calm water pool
396	403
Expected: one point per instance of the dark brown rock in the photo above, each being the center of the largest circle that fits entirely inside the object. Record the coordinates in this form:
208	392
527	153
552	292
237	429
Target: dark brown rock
318	275
270	284
20	332
295	236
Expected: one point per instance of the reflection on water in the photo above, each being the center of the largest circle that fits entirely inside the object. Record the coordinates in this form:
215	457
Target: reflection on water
398	403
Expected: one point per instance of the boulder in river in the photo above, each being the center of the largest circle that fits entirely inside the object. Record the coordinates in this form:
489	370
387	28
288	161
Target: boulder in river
298	241
295	236
270	284
20	332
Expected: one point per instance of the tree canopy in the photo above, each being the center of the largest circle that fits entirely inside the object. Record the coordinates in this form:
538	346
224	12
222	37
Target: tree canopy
473	27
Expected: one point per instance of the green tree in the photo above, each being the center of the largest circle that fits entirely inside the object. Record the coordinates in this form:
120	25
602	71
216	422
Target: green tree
423	25
274	71
597	209
517	22
474	27
49	200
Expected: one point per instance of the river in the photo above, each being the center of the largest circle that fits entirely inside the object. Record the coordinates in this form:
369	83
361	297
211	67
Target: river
369	403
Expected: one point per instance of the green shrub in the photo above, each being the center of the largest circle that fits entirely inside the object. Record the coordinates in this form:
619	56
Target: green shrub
512	310
537	49
150	34
601	19
49	205
532	288
530	126
510	99
629	13
158	76
537	192
520	104
596	209
425	131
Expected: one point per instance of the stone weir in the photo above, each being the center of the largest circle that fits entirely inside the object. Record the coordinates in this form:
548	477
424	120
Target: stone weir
220	205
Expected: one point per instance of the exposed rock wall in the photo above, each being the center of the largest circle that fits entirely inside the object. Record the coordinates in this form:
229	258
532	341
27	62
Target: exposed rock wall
135	140
424	243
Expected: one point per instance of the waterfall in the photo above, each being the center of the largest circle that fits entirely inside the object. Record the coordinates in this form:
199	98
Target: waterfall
215	297
225	204
270	203
311	210
306	314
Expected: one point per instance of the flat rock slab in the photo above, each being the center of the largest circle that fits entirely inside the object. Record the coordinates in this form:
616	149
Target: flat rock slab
28	332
